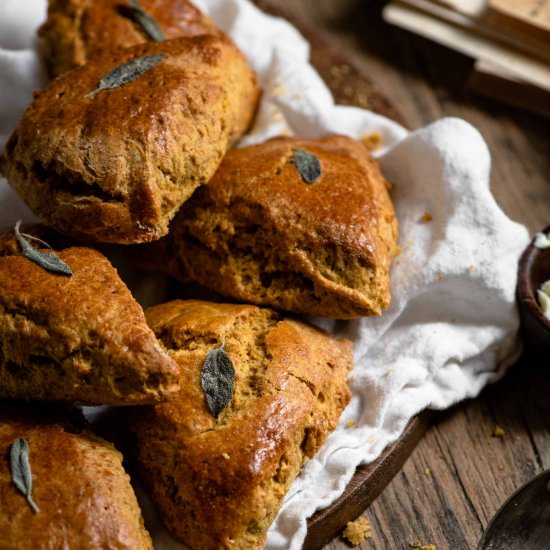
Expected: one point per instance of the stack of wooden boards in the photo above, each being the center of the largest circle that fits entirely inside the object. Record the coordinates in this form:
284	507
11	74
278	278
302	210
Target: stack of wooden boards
509	40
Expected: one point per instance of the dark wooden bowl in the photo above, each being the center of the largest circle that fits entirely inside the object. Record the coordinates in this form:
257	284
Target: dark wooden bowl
533	270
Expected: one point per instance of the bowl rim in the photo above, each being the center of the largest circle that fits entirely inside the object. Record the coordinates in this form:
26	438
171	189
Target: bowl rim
526	294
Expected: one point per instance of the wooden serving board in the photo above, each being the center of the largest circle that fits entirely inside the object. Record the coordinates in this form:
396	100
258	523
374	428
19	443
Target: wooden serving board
350	87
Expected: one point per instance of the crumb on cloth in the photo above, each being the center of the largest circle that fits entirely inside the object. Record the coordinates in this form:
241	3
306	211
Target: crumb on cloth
420	546
372	141
357	531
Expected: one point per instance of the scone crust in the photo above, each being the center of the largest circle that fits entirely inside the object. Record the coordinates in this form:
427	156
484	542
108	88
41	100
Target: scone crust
77	339
84	495
260	234
219	483
77	30
116	167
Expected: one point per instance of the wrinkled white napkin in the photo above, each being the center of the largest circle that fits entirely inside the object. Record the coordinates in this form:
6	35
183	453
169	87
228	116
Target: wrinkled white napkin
451	326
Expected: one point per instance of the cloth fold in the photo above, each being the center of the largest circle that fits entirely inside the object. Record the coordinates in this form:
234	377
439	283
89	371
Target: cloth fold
451	326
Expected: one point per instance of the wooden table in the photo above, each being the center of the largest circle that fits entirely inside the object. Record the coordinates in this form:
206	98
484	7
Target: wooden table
460	472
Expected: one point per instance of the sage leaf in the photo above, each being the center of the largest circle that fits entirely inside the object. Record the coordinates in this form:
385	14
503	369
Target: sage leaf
143	19
308	165
122	74
46	260
21	474
218	380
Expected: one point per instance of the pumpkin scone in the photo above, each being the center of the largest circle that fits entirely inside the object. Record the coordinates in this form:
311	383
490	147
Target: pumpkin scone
77	30
80	497
109	151
301	225
79	338
218	459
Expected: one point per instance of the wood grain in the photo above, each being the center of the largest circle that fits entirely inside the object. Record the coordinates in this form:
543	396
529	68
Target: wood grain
459	473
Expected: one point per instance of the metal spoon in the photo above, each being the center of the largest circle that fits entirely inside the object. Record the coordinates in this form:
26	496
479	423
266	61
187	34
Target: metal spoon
523	521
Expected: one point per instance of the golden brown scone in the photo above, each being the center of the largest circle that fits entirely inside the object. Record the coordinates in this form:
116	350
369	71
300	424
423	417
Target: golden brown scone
84	496
117	166
77	30
77	339
258	233
219	483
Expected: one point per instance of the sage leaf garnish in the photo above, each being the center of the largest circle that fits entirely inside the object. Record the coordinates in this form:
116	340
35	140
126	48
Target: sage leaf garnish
218	380
21	474
307	164
148	24
46	260
122	74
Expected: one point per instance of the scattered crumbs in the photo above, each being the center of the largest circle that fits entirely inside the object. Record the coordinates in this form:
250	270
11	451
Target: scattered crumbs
439	277
278	90
388	372
427	472
415	544
398	250
426	217
418	544
498	432
226	456
471	267
357	531
350	423
372	141
501	467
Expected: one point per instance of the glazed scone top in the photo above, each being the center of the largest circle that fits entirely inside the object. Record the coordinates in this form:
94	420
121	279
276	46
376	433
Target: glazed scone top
77	30
116	167
321	248
84	495
81	338
219	482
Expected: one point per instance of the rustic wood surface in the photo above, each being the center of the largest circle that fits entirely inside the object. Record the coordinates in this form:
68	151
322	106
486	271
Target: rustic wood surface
460	472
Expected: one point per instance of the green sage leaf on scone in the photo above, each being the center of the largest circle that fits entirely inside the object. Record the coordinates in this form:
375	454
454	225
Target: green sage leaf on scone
259	234
47	260
218	380
307	164
233	472
76	31
85	497
148	24
77	339
21	473
122	74
116	167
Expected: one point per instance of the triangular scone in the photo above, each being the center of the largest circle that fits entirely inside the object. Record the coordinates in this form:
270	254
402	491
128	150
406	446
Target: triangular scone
219	482
80	339
116	165
260	233
77	30
83	494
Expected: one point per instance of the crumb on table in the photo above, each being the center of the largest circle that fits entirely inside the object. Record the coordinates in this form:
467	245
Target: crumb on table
426	217
498	432
350	423
420	546
357	531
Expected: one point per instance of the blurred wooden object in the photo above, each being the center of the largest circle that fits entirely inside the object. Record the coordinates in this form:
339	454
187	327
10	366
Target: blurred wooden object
460	472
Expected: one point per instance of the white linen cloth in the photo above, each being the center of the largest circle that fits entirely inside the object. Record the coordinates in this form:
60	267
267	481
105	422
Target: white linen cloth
451	326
